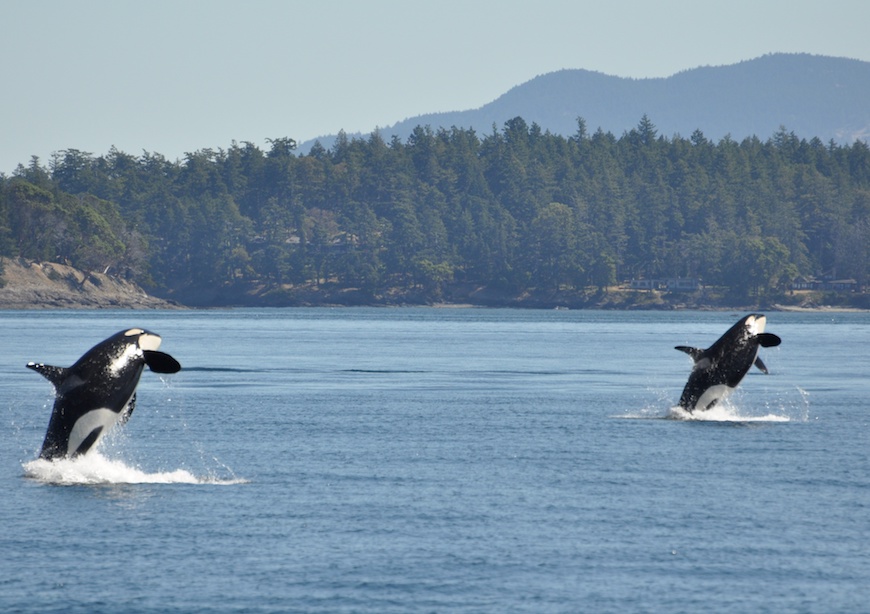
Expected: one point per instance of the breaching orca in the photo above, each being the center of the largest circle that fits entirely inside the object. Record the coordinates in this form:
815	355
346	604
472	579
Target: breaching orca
99	390
719	369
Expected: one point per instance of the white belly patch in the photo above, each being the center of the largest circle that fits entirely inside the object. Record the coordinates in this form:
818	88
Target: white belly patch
713	393
85	425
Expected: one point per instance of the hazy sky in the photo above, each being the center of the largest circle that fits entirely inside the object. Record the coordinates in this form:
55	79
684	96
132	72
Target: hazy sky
173	76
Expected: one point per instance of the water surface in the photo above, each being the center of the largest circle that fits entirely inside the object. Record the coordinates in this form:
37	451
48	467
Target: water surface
395	460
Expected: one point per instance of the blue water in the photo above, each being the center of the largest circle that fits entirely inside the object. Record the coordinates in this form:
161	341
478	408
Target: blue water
442	460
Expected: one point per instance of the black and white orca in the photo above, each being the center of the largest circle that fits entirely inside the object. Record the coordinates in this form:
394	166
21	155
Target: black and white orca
99	390
719	369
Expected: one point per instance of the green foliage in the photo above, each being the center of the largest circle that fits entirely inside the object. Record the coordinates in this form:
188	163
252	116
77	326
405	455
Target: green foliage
82	229
518	208
553	251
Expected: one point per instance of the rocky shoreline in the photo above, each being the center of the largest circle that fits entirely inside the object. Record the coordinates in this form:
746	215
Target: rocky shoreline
616	298
49	285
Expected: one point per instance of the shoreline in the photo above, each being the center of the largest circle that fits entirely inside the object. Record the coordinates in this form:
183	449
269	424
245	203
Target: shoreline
39	286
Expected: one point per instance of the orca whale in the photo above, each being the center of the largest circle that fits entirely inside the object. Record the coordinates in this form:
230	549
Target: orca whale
719	369
99	390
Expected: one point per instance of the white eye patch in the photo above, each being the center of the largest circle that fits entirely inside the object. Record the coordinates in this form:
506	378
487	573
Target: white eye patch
149	341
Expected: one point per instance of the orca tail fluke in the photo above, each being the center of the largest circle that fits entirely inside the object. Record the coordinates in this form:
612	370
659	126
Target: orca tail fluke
160	362
53	374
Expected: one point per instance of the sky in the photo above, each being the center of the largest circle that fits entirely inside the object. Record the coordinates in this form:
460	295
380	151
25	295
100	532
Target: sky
177	76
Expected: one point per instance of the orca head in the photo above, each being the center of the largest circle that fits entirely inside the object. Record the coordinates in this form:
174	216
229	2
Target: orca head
129	351
147	344
122	351
755	324
146	340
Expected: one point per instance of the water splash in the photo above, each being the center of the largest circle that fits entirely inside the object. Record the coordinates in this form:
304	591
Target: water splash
723	412
94	468
790	405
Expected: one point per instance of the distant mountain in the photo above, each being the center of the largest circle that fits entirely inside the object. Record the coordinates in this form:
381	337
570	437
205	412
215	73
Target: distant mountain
807	94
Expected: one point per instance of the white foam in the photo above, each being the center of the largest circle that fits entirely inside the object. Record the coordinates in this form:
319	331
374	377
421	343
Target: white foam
94	468
722	412
785	407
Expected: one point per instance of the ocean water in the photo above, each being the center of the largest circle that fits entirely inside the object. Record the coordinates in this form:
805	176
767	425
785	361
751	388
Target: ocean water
442	460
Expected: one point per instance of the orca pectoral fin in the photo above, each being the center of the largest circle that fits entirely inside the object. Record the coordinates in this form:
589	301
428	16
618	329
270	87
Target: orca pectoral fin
160	362
768	340
761	366
695	353
128	410
55	375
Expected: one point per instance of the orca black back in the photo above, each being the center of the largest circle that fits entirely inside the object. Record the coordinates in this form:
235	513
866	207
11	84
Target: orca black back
719	369
99	390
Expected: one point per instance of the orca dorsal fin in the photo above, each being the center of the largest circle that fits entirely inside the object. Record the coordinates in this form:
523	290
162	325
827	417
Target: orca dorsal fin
695	353
761	366
160	362
768	340
56	375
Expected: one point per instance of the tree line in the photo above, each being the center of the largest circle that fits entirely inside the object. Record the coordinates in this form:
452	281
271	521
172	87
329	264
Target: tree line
517	209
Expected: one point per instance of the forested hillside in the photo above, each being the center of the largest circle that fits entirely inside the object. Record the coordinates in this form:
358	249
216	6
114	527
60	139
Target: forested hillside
813	95
516	210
